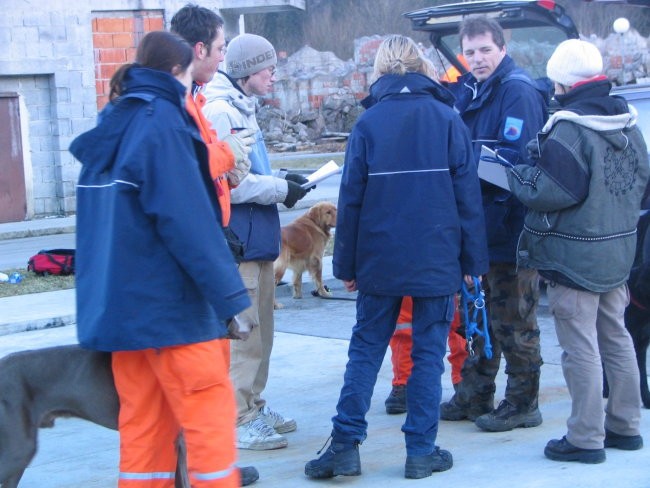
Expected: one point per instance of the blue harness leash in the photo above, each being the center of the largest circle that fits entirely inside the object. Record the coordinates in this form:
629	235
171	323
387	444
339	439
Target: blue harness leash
471	326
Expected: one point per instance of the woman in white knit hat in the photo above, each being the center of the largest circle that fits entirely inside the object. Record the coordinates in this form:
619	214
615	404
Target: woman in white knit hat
584	195
231	105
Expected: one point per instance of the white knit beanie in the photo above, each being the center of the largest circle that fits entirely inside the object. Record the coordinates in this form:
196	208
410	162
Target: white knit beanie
248	54
574	61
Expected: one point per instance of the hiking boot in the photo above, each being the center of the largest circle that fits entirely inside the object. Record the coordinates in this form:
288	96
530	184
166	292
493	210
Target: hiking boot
454	411
624	442
507	417
339	459
258	436
563	450
422	466
248	475
273	419
396	401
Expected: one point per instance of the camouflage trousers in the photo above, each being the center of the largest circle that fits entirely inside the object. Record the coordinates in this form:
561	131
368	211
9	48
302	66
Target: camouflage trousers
512	297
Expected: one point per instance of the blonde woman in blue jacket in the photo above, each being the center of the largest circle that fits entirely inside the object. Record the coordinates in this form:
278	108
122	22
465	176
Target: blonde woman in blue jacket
409	223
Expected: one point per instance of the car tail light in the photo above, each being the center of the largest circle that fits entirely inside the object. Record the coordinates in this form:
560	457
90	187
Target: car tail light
547	4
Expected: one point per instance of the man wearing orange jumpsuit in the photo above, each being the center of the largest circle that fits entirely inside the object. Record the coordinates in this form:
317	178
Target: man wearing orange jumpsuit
400	348
228	158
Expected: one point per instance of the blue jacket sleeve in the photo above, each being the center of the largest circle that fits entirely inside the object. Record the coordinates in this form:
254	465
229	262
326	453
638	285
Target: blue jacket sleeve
467	190
523	112
351	194
174	195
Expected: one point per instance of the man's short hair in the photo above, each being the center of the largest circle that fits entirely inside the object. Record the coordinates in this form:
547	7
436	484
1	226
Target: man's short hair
476	25
197	24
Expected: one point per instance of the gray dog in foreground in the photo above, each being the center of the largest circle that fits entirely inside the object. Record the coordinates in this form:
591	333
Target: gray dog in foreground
40	385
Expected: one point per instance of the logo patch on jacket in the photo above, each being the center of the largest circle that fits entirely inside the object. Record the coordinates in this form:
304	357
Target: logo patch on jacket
620	170
512	129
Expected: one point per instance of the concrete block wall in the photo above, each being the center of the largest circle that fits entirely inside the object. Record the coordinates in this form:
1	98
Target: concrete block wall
58	56
44	61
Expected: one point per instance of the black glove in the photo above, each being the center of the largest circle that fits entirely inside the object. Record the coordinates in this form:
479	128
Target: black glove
533	150
296	178
295	192
300	179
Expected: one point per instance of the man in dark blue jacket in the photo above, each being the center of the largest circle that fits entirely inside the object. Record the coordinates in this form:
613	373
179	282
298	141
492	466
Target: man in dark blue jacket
503	108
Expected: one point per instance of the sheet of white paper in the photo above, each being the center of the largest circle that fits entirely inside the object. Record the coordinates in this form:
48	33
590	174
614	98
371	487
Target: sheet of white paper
491	171
328	169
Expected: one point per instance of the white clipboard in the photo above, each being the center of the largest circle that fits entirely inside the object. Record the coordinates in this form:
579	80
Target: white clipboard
490	170
328	169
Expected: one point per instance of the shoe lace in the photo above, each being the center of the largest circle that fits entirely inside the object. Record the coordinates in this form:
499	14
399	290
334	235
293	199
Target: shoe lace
262	427
504	405
326	442
277	418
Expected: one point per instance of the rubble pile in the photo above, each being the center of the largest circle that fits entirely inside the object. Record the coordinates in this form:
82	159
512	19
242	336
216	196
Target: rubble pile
316	98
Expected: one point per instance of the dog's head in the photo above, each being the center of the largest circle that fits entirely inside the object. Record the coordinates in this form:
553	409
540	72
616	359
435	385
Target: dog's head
324	215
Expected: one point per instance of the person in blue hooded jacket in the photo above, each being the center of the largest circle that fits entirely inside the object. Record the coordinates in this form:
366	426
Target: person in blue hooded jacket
409	223
503	108
156	281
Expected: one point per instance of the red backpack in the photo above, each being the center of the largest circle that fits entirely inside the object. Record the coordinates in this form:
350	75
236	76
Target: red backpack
52	262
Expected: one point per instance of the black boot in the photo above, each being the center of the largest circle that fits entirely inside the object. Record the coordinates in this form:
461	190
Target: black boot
339	459
396	401
422	466
507	417
248	474
453	410
624	442
563	450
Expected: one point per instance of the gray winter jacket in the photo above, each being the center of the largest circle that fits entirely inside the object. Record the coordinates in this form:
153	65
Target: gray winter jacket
584	193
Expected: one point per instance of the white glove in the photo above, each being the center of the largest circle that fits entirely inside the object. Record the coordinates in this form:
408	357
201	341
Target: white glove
240	142
239	172
239	328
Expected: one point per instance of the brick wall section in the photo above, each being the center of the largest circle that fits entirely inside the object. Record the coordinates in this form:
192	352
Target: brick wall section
115	39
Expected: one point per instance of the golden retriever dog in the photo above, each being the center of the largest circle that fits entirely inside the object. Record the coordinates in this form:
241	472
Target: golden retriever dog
303	245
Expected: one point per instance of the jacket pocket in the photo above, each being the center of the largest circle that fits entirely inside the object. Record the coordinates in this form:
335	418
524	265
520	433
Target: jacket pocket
562	301
497	214
197	366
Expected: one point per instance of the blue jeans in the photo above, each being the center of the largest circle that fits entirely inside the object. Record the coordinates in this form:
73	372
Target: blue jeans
376	318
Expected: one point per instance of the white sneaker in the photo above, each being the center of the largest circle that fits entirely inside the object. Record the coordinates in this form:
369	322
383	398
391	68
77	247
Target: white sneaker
277	421
258	436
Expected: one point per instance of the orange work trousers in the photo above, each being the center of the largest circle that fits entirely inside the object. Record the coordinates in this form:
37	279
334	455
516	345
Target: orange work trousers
402	341
170	390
